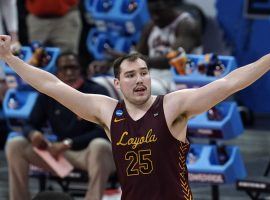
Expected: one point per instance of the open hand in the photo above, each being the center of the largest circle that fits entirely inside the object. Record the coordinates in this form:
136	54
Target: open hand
57	148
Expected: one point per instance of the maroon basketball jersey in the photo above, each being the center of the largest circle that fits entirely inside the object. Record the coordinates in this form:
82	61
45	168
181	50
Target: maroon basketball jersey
150	162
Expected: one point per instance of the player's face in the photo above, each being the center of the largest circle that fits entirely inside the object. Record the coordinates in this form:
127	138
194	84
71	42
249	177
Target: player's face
134	81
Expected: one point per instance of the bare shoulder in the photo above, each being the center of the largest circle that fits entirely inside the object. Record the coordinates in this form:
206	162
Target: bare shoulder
106	103
103	115
173	97
187	22
175	116
175	103
107	106
170	104
99	108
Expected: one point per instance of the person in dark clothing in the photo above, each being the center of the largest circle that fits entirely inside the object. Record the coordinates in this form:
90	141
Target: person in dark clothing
63	122
83	143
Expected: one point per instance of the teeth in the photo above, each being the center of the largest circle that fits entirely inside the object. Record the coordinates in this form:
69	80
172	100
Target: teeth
140	89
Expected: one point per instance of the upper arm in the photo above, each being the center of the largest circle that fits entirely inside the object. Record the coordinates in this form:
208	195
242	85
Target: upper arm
142	46
190	102
188	34
92	107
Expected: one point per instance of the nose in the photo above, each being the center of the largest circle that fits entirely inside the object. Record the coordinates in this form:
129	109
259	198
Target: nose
68	72
139	79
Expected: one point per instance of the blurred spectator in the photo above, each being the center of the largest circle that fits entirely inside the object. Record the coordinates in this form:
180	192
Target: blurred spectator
83	143
9	21
54	23
84	55
3	85
3	125
22	12
171	27
8	25
213	39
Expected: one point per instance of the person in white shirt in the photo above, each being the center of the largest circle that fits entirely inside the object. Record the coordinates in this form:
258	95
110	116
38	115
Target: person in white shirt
9	21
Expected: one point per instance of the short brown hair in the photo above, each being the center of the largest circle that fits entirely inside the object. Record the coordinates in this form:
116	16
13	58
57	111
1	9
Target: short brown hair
130	57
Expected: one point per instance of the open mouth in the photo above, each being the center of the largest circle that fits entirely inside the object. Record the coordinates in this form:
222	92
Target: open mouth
140	90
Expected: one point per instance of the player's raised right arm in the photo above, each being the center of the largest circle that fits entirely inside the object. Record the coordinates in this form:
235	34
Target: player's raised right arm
88	106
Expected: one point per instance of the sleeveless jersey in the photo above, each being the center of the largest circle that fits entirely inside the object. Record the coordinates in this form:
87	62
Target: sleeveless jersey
150	162
160	42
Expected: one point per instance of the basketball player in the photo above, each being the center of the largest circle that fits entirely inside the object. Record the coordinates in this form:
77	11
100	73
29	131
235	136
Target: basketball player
148	133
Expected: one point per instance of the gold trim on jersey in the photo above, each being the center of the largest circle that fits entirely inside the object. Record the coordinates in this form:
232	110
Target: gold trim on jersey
183	180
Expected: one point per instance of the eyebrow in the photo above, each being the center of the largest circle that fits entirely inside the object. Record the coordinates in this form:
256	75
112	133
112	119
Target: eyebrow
132	71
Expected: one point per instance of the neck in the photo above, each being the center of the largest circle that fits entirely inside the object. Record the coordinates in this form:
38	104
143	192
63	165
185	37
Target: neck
137	110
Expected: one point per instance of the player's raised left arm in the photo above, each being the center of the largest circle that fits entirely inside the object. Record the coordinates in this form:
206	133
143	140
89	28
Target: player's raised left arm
190	102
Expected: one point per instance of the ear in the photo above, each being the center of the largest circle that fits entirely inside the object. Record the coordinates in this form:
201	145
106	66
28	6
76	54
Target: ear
116	83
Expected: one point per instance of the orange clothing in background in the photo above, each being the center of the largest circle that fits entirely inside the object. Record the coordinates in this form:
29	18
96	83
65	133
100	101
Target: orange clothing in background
50	7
